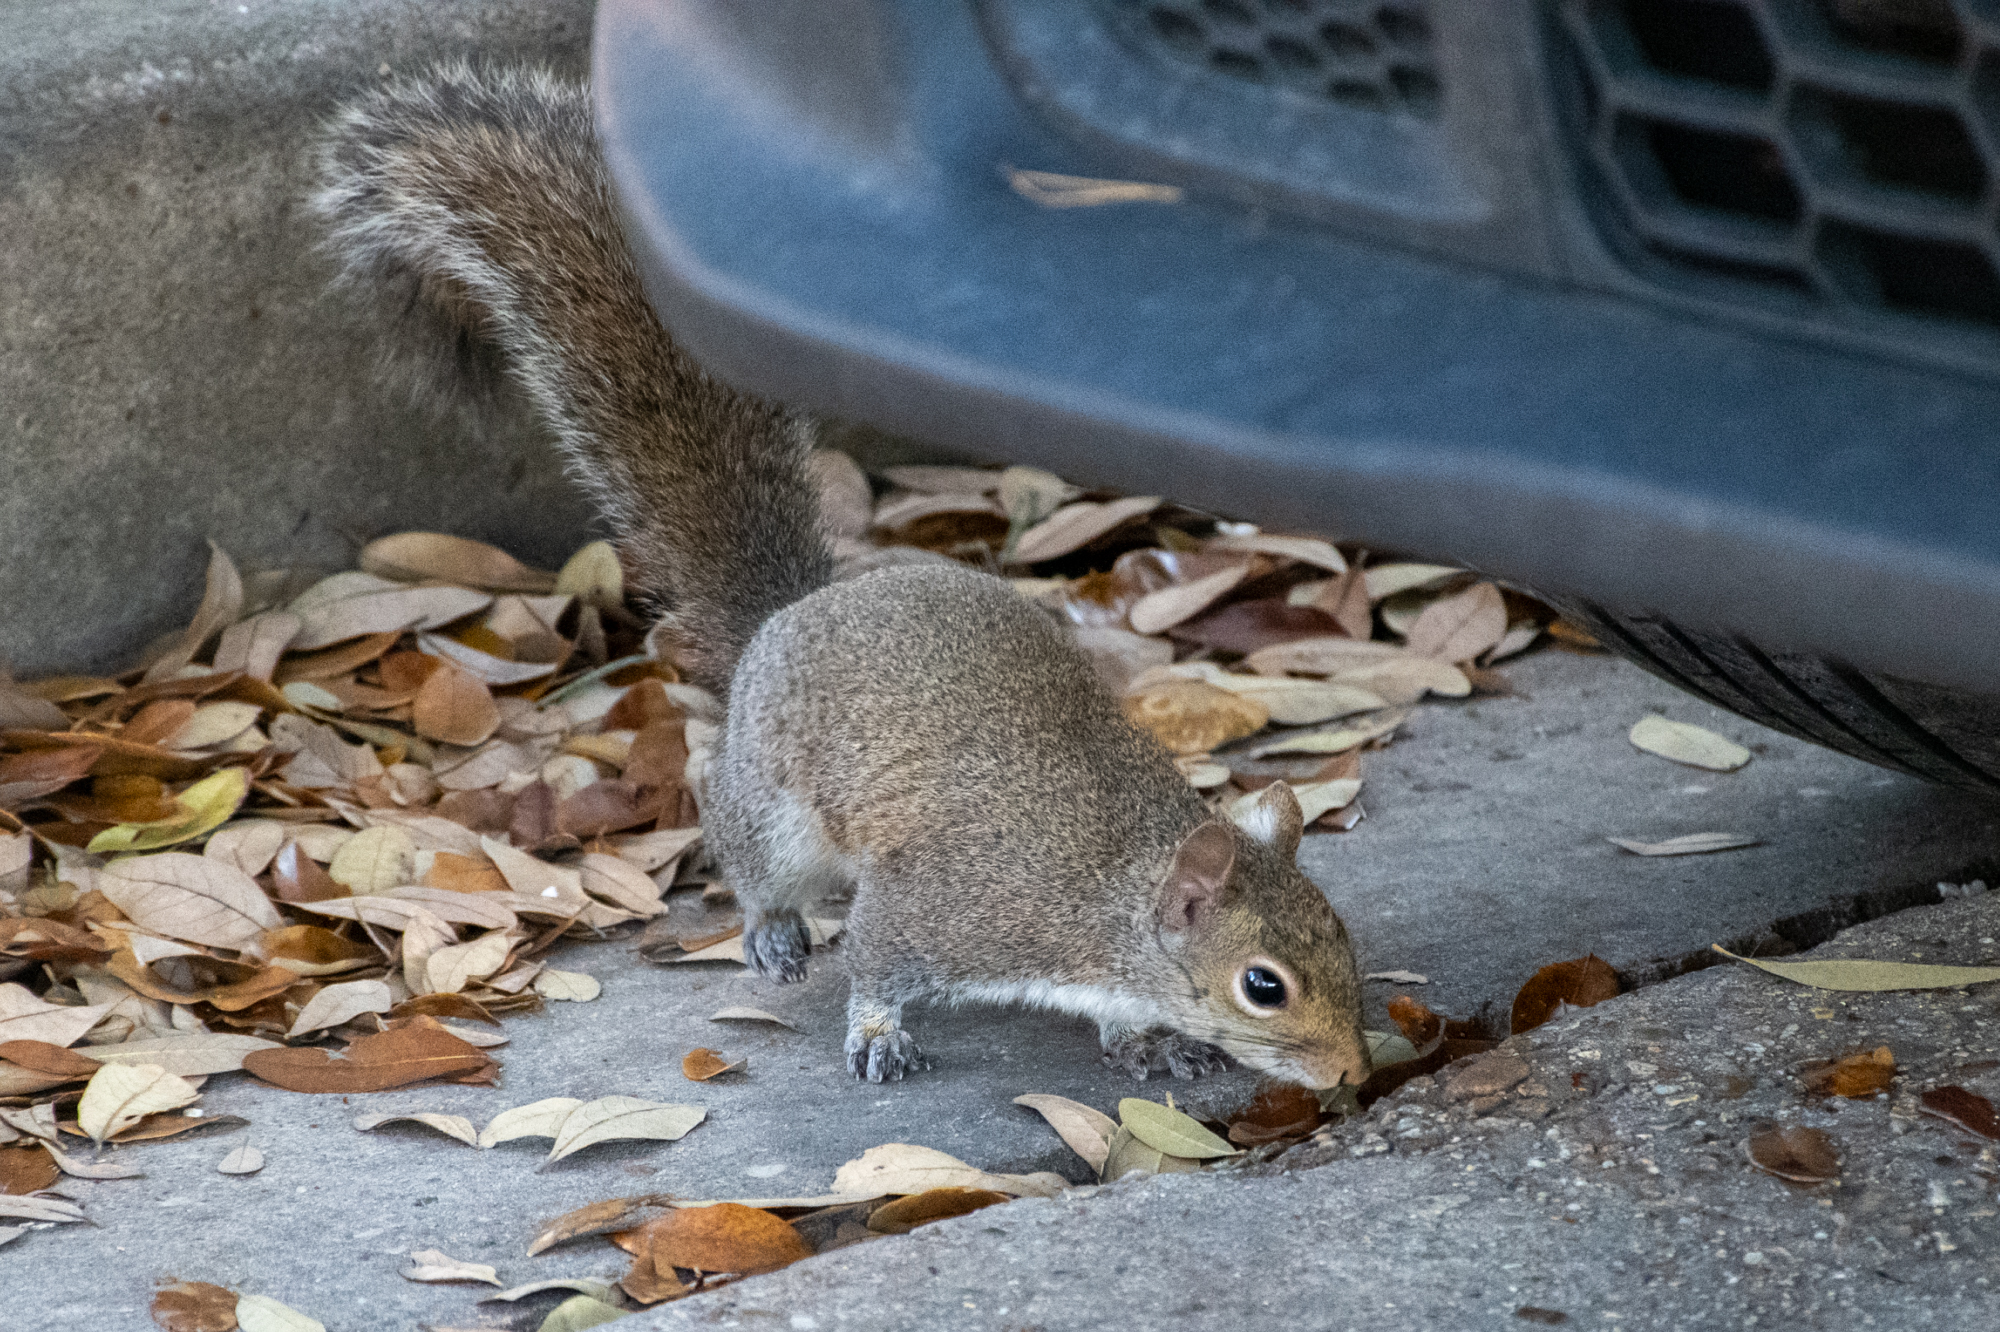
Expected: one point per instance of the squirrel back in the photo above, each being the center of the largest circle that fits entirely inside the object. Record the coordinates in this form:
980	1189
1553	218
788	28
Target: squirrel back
479	201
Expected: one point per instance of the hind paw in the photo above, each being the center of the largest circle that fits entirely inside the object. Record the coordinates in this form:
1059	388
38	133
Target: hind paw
884	1058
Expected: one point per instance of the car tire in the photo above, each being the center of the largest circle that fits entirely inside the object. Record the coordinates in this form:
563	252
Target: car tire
1944	735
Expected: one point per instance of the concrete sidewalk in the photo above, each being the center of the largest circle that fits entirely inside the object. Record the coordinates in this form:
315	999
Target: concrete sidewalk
1480	861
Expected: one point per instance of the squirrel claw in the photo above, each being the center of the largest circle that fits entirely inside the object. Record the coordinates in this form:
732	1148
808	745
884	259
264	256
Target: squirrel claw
777	948
1141	1052
886	1058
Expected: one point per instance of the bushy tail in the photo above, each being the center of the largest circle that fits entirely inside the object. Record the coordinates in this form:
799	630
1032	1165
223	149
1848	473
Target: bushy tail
480	199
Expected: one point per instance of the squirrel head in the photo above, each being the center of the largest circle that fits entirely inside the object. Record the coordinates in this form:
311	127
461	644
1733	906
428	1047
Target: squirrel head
1268	969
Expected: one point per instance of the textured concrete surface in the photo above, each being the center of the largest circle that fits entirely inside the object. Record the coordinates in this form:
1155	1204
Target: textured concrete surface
1474	867
170	368
1627	1204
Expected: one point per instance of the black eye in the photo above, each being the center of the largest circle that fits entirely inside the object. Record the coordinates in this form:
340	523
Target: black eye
1262	987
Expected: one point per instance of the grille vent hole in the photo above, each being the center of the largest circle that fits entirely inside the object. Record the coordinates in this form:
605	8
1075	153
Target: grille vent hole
1702	39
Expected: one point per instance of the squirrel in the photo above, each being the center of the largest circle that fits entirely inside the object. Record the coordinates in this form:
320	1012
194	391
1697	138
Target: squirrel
922	735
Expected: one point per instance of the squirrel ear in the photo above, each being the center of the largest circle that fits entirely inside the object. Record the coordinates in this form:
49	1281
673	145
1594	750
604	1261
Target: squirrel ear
1273	818
1194	882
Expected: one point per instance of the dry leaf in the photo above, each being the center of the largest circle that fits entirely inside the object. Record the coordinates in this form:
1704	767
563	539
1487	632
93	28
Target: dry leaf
1075	526
261	1313
388	1059
415	557
202	808
452	1126
1868	976
1802	1155
701	1064
28	1171
245	1160
248	845
1159	611
194	1306
1306	550
1278	1113
1855	1076
25	1017
1087	1132
455	707
898	1167
120	1095
193	1054
1387	580
619	882
375	860
437	1265
221	603
338	1004
84	1170
1688	844
452	968
1688	744
1337	740
1969	1110
1583	982
749	1015
189	897
1399	977
920	1209
594	576
657	850
621	1118
255	645
1192	716
214	724
353	604
485	667
722	1237
566	986
1460	627
541	1119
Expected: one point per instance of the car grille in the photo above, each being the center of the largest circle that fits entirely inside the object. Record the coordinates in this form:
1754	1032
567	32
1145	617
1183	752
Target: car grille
1833	158
1368	54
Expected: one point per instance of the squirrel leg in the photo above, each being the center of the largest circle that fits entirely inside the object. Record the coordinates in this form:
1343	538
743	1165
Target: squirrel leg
1141	1052
776	944
775	854
878	1048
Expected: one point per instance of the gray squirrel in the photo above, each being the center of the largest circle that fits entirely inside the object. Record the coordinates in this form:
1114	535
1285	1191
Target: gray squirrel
921	734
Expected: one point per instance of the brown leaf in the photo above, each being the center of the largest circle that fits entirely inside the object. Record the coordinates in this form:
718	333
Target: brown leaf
601	1218
117	756
485	811
199	979
157	720
701	1064
441	1006
1346	599
24	777
333	662
221	603
456	707
1247	626
173	1125
463	874
297	877
647	1284
920	1209
1969	1110
1853	1076
394	1058
1461	626
640	706
26	1170
1076	525
1193	716
723	1237
46	1058
658	756
46	940
1801	1155
1418	1024
609	806
415	557
1279	1112
404	673
1583	982
194	1306
1161	610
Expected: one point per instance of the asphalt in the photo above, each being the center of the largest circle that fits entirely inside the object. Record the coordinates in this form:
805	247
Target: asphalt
1481	859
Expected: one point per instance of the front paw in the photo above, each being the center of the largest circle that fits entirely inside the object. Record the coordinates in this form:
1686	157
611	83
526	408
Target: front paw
884	1058
1140	1053
777	947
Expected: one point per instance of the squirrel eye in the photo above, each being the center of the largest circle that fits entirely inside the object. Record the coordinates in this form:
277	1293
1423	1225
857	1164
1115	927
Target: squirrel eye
1262	987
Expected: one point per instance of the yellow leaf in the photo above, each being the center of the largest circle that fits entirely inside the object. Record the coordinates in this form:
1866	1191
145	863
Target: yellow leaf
1170	1131
204	807
594	576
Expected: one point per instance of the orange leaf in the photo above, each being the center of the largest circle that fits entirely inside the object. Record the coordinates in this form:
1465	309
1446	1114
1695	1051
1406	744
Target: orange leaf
701	1064
404	673
1853	1076
462	874
455	707
194	1306
1583	982
724	1237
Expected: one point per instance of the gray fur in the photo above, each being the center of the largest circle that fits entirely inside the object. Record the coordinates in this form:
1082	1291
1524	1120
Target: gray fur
920	733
